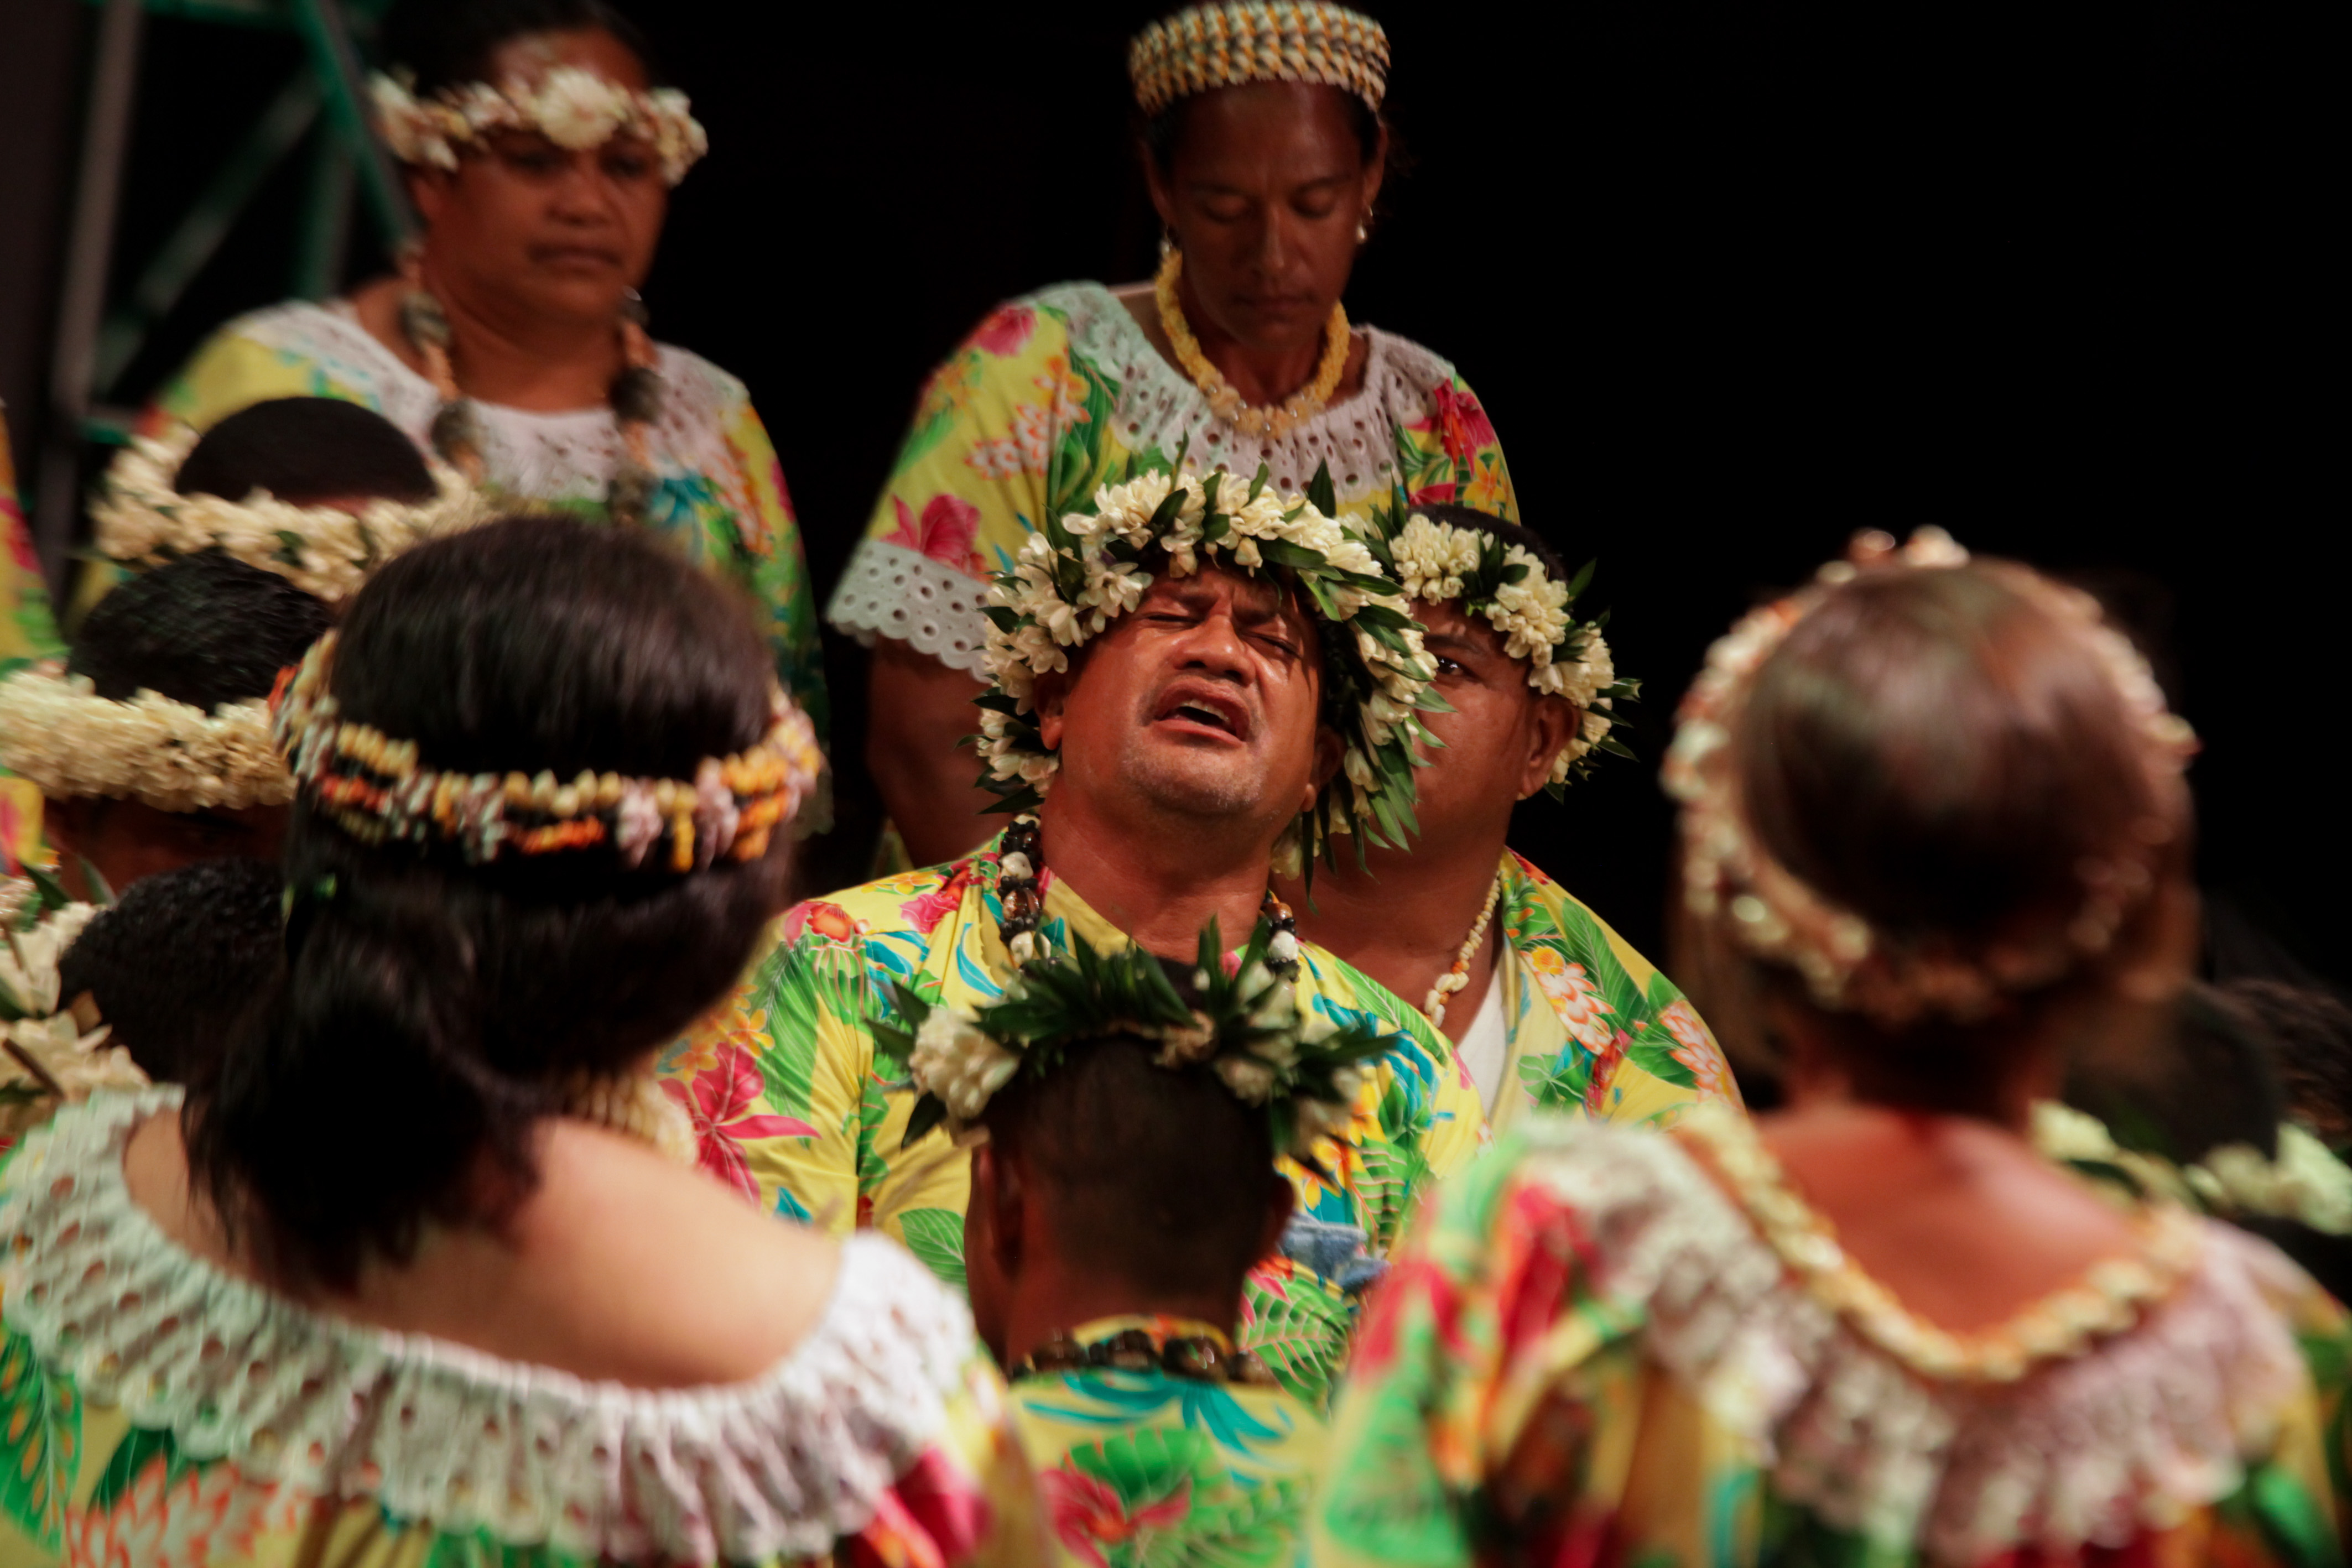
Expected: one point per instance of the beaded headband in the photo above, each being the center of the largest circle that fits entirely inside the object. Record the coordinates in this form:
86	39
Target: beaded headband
573	108
375	788
57	732
1082	572
1245	1027
1731	879
142	522
1204	47
1438	562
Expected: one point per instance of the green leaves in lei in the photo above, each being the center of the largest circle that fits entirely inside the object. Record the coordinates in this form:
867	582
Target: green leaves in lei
1241	1013
1383	524
1349	682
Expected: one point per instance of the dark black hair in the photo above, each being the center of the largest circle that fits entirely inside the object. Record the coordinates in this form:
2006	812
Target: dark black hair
1527	539
1155	1177
2206	1081
305	449
204	629
447	43
430	1011
1163	132
177	959
2311	1036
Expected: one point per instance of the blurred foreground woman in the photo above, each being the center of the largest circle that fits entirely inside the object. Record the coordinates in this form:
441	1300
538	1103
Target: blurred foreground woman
1935	835
423	1268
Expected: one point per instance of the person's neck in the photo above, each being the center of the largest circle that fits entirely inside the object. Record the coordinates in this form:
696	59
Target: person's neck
1403	917
506	355
1159	878
1050	1299
1265	374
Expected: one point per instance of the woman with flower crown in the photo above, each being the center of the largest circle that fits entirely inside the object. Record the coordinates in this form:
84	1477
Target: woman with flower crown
539	152
422	1270
1935	838
1264	147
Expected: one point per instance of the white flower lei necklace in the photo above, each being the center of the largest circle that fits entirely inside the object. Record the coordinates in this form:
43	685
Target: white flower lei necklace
1437	562
57	732
142	522
1224	400
1080	572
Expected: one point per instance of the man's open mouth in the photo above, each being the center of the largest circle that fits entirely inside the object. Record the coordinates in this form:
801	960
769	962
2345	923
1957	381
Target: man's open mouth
1204	710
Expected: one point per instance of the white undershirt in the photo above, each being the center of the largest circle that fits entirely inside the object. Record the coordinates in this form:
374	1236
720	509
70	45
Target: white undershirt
1486	1050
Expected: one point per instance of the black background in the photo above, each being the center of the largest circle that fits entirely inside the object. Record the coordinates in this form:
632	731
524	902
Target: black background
1732	280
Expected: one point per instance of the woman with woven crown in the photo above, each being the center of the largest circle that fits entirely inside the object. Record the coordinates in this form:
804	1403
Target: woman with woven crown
421	1265
540	147
1935	838
1265	148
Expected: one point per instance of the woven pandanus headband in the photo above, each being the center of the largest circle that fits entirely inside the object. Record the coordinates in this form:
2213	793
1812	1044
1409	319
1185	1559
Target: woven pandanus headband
378	790
1209	47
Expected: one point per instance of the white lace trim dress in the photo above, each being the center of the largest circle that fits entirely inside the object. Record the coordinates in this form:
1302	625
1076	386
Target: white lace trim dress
784	1464
904	594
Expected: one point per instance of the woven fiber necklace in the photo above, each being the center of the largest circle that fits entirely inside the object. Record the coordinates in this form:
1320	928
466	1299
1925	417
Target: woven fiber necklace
1225	402
636	394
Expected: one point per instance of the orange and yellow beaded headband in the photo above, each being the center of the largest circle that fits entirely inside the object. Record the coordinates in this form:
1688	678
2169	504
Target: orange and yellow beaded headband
375	788
1207	46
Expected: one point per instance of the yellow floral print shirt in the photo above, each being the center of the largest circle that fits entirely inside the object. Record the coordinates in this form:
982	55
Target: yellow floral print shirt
1593	1025
1054	392
792	1108
1143	1468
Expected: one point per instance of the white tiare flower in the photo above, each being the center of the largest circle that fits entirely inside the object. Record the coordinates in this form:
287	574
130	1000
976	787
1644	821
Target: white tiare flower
956	1061
1250	1081
577	108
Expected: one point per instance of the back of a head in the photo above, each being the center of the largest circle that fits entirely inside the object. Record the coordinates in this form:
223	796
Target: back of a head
206	630
307	450
1962	798
432	1008
1156	1177
177	959
1933	751
448	43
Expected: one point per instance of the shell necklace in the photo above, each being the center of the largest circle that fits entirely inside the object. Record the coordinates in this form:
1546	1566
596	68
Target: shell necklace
636	395
1455	979
1019	860
1225	402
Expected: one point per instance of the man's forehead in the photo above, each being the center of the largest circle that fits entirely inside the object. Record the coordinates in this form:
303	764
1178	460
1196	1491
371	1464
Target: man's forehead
1250	595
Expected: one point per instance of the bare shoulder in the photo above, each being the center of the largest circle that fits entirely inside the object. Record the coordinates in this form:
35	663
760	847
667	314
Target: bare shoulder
652	1274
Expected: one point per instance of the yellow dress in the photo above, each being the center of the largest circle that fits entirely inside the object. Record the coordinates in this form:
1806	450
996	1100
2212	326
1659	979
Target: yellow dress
1050	397
28	632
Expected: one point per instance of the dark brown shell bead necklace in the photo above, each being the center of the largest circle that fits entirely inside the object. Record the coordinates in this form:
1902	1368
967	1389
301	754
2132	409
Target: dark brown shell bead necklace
1195	1356
636	394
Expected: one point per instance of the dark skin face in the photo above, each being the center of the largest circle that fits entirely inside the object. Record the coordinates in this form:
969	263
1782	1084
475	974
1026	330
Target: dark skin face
1264	191
127	840
1205	698
1498	742
524	227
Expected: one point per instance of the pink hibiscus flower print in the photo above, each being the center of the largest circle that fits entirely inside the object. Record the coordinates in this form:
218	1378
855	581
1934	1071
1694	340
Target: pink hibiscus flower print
1604	1069
933	1514
1088	1513
723	1102
944	532
1695	1048
1007	331
1462	426
926	911
829	921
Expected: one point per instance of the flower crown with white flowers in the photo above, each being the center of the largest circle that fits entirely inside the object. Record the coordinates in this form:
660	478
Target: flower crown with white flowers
46	1057
142	522
1437	562
71	743
1243	1024
573	108
1080	572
